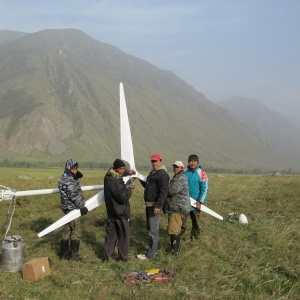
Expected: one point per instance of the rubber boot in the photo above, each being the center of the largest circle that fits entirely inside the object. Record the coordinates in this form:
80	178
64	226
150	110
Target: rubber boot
175	243
172	243
64	250
74	255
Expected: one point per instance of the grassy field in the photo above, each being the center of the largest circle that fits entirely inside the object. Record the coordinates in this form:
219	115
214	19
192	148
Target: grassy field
260	260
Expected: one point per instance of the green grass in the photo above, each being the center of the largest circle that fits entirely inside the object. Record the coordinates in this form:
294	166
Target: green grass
260	260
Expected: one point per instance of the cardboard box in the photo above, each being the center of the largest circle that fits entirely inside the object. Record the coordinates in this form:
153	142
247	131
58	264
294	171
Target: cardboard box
36	269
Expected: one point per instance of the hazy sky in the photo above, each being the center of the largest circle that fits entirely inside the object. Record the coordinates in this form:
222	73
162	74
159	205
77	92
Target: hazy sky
224	48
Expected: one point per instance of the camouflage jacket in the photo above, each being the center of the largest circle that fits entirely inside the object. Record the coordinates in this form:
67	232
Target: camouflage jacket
70	189
178	200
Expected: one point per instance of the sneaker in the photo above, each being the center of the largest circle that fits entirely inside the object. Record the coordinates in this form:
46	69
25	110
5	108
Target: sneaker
142	256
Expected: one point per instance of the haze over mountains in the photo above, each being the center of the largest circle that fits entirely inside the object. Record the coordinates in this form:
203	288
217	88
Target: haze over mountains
59	98
280	133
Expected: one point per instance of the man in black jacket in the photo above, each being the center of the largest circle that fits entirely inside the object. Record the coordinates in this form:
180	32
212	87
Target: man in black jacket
117	196
155	194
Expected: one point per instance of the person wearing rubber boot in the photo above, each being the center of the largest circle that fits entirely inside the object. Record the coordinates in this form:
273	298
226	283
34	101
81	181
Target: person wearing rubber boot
71	198
177	205
198	189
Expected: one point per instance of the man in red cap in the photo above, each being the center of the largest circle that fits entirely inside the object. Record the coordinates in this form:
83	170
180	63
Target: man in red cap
155	194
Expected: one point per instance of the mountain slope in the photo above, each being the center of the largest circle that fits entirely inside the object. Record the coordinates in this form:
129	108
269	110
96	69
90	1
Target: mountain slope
279	132
59	98
8	36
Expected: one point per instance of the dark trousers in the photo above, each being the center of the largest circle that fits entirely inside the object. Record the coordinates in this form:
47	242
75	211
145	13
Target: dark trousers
117	231
194	215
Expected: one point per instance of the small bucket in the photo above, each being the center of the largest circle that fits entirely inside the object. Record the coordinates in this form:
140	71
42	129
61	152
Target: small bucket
13	253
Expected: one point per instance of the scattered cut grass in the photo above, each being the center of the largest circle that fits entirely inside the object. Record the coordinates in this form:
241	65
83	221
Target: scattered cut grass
260	260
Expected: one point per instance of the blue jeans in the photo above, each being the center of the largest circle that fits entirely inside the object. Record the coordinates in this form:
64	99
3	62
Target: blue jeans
153	230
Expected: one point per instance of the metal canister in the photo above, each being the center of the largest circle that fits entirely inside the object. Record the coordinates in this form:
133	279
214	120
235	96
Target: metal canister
13	253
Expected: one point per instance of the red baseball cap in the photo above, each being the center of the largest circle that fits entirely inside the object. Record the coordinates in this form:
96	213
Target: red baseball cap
156	156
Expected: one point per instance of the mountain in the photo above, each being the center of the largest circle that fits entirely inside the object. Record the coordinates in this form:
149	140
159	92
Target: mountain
280	132
295	120
59	98
8	36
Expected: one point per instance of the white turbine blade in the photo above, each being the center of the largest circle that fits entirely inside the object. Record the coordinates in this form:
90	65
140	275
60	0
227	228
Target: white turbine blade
206	209
210	212
9	194
126	140
92	203
54	191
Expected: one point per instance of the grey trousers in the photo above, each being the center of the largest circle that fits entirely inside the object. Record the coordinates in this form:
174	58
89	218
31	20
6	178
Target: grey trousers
153	231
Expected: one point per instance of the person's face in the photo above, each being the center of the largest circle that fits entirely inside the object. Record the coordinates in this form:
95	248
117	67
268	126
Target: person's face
156	164
193	164
177	169
74	170
121	171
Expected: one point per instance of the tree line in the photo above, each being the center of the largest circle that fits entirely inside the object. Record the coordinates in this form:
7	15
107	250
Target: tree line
103	165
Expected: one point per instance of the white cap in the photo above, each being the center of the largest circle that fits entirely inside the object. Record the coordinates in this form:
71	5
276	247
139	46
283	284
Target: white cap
178	163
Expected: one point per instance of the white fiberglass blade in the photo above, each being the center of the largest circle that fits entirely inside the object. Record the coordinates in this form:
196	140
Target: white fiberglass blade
126	140
53	191
9	194
92	203
206	209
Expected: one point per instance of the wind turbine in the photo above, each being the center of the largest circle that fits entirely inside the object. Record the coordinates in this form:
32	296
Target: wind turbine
98	199
126	155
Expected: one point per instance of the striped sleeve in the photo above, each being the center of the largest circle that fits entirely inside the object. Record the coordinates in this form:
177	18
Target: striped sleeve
203	186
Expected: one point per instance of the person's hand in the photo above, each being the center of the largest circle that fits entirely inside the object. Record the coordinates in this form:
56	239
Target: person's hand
198	205
131	172
83	210
156	211
132	185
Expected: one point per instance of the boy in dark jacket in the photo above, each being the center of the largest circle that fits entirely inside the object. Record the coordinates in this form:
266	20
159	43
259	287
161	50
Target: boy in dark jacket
71	198
117	196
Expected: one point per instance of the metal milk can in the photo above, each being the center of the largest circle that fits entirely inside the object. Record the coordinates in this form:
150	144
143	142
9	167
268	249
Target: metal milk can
13	253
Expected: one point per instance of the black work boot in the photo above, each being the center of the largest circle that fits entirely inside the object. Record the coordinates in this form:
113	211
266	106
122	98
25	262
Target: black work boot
176	244
172	243
195	233
64	250
74	255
